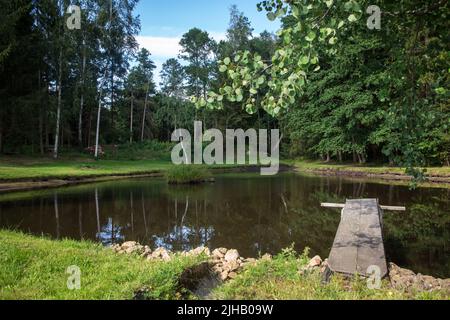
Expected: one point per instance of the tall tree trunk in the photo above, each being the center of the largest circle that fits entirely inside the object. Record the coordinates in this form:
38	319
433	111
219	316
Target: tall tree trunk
89	131
112	64
145	112
41	116
1	138
80	119
58	113
131	117
97	135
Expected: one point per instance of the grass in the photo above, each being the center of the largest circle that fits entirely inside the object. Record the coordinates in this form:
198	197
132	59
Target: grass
187	175
69	169
367	168
279	279
34	268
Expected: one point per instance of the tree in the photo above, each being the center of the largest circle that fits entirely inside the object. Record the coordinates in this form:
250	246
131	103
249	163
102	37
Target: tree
172	78
146	67
197	50
240	31
316	31
120	26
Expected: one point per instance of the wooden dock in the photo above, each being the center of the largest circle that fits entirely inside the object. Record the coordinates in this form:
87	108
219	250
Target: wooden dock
358	246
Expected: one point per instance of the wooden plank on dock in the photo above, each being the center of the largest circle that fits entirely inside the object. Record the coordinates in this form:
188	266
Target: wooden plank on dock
341	205
359	240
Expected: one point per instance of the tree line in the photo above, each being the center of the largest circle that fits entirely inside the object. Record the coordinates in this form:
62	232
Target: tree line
336	89
344	91
94	86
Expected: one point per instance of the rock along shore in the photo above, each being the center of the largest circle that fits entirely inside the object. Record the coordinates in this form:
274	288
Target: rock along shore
226	264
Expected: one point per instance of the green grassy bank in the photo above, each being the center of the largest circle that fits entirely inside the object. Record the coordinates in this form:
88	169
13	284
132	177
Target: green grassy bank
38	169
35	268
375	169
280	279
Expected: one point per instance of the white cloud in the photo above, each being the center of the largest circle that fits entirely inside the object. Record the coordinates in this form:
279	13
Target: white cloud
164	48
168	47
160	46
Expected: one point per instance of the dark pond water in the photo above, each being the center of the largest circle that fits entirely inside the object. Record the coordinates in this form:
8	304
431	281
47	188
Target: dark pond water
250	213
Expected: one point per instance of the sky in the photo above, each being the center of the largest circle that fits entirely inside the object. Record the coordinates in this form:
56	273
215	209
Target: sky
165	21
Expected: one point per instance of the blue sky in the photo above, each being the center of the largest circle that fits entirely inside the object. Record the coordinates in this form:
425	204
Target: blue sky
165	21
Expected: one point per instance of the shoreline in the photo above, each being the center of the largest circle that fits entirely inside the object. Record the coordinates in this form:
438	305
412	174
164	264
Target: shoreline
386	178
130	271
373	174
379	174
24	184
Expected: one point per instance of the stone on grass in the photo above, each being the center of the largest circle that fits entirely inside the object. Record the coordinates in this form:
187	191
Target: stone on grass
314	262
232	255
218	254
129	244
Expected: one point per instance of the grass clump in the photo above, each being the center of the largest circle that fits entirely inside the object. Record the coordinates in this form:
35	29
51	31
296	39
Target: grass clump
33	268
280	279
184	174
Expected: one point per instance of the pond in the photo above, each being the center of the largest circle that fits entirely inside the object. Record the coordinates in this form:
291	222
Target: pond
253	214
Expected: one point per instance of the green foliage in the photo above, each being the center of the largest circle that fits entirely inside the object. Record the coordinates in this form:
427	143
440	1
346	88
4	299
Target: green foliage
197	48
284	77
172	78
280	279
347	91
147	150
34	268
187	174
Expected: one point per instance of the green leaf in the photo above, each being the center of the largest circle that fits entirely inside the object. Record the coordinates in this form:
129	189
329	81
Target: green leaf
304	60
223	68
352	18
295	12
227	61
260	80
271	16
311	36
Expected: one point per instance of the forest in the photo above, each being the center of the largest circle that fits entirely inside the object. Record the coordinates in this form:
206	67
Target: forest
337	90
95	204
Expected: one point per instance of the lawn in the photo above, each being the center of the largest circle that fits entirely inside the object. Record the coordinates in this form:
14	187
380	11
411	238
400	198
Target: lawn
367	168
35	268
81	168
280	279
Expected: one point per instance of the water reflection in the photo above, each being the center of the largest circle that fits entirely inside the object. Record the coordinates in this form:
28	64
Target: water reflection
251	213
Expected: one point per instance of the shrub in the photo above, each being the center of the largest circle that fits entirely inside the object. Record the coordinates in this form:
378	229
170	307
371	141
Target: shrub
184	174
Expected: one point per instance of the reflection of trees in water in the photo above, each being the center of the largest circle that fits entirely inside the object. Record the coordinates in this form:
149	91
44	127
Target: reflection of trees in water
184	232
253	214
110	234
420	236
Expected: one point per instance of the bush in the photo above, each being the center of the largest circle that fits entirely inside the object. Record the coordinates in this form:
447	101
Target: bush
184	174
147	150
